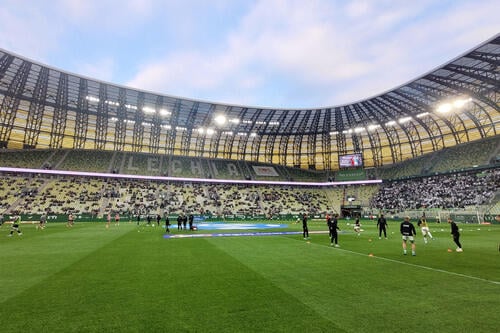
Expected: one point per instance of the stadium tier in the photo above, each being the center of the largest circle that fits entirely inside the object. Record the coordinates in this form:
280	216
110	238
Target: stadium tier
458	190
33	194
462	157
59	195
466	156
153	165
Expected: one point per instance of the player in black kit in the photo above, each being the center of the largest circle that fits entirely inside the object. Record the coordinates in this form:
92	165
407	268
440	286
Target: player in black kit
167	224
408	231
191	221
179	222
382	224
305	230
456	234
328	223
184	221
333	231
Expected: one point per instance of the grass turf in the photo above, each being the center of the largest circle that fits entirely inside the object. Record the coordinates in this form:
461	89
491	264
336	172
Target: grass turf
131	279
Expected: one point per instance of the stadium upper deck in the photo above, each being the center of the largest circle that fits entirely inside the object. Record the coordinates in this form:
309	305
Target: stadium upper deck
43	107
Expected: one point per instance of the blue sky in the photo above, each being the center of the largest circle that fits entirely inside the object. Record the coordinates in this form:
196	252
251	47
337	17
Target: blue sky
269	53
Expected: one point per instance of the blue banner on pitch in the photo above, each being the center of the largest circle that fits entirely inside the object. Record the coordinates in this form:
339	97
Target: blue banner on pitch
232	234
238	226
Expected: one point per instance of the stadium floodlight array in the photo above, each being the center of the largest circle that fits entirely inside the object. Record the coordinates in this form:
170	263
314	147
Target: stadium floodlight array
183	179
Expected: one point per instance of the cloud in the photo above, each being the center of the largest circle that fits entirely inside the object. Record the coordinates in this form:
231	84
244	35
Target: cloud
112	15
277	51
195	75
265	53
26	31
424	43
275	39
101	69
355	9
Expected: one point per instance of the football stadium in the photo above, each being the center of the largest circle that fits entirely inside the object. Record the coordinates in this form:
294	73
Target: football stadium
125	210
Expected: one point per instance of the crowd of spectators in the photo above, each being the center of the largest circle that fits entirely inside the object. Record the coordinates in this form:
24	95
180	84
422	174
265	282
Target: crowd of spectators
459	190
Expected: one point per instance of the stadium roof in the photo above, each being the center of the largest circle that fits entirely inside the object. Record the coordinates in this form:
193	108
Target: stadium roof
43	107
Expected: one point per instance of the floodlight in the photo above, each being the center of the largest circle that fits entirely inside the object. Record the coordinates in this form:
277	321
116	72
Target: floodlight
164	112
461	102
220	119
92	99
443	108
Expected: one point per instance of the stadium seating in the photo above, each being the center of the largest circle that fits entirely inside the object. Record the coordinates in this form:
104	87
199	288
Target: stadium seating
24	158
296	174
34	194
465	156
457	158
408	168
60	195
12	188
86	160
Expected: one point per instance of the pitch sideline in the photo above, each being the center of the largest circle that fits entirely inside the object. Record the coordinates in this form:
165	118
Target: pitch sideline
424	267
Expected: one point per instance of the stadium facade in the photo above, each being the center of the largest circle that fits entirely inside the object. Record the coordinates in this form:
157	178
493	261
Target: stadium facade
46	108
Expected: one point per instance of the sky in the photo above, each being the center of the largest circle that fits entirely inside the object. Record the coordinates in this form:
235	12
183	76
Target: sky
264	53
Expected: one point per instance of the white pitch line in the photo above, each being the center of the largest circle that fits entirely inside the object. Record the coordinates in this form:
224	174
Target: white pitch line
425	267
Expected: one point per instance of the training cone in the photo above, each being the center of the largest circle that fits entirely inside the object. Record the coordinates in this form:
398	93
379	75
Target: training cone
370	255
449	250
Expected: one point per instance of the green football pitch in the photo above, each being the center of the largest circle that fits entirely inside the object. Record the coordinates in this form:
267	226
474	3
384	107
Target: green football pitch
131	279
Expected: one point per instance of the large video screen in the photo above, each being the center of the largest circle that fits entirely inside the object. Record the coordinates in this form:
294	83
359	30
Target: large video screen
351	161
